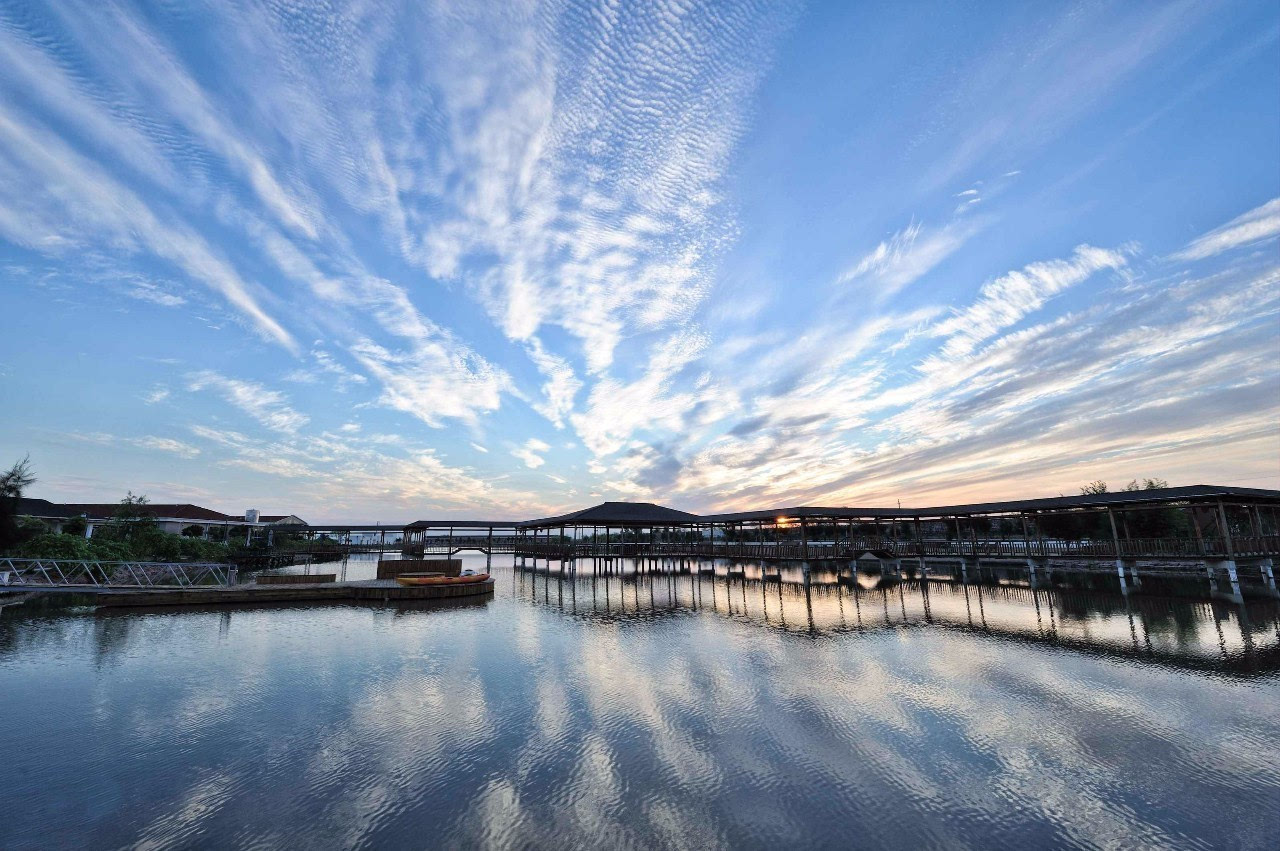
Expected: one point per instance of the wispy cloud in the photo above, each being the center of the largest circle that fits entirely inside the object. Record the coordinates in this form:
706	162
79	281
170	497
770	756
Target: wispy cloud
561	386
148	442
1259	224
60	202
326	369
907	256
352	474
268	407
1006	300
166	444
156	394
474	215
150	291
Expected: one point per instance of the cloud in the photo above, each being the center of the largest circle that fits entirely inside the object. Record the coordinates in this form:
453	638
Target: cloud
147	442
1141	380
528	453
456	205
616	409
907	256
561	386
575	180
148	291
326	370
268	407
166	444
156	394
1004	104
1009	298
434	380
1260	223
58	202
345	475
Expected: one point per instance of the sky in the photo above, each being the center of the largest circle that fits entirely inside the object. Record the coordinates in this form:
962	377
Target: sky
391	261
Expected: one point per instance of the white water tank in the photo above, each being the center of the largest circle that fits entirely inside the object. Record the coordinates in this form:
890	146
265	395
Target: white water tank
251	515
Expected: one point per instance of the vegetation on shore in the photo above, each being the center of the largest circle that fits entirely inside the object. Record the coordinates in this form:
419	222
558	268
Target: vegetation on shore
131	535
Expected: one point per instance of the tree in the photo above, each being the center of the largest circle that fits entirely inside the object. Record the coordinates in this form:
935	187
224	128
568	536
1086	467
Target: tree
133	508
1147	485
12	483
131	517
1165	522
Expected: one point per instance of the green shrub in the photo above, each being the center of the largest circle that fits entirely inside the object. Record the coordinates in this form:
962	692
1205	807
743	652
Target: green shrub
143	545
50	545
194	549
107	550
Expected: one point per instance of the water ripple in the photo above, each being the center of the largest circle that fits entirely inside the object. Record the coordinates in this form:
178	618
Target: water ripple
652	711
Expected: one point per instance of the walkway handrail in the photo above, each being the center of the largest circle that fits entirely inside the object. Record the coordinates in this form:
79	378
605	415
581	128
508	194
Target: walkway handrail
1147	548
55	572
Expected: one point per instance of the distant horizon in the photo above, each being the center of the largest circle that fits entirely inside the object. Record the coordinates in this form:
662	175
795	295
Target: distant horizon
496	260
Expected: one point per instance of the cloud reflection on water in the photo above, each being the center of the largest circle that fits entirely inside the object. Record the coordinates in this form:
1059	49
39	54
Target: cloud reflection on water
639	720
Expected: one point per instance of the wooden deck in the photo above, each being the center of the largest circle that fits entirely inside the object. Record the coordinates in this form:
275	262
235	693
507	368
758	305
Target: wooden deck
371	590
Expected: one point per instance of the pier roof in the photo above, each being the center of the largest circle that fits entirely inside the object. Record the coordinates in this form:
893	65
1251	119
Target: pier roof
1055	503
650	514
460	524
619	514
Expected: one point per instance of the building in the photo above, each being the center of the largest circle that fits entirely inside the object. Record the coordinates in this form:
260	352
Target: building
175	518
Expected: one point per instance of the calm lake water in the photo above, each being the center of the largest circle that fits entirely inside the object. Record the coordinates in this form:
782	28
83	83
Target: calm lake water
684	711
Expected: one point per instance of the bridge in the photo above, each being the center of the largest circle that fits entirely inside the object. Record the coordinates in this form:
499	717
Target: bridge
47	573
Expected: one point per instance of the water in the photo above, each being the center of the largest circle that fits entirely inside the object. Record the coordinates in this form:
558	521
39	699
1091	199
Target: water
684	711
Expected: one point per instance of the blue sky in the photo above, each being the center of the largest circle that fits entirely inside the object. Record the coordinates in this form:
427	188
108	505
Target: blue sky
426	259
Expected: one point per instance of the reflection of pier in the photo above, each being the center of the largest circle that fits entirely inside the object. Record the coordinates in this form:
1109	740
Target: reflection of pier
1197	634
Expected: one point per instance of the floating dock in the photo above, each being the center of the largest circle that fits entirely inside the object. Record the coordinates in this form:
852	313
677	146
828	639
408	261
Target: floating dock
371	590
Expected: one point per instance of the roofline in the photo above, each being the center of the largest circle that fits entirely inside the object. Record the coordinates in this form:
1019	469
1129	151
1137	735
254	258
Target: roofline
1019	506
463	524
1199	493
569	518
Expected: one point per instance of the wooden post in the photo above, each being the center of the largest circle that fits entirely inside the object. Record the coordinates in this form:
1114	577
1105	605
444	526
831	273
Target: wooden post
1195	524
924	570
1115	541
1226	531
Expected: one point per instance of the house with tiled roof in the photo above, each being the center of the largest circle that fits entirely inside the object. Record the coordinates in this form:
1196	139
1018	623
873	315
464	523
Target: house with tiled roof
169	517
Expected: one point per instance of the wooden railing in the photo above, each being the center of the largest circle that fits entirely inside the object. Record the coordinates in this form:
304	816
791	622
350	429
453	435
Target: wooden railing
563	548
1148	548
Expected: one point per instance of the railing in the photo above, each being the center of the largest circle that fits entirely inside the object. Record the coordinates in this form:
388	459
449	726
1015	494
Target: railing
1149	548
113	574
557	547
442	544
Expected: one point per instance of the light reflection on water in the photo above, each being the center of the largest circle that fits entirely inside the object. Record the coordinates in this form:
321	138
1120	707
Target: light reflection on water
679	711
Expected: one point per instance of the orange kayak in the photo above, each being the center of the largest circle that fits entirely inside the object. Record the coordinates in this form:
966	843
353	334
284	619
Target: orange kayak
437	579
